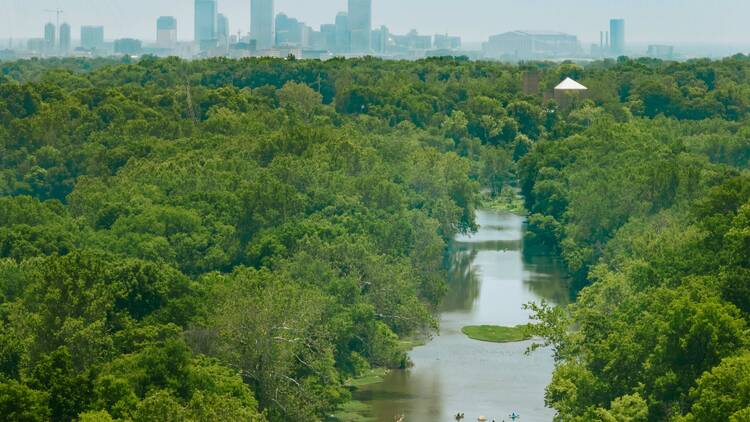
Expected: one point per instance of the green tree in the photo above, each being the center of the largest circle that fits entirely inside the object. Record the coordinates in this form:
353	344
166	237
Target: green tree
20	403
723	393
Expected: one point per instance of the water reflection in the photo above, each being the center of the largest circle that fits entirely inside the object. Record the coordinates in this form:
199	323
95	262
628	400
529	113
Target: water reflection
463	282
492	274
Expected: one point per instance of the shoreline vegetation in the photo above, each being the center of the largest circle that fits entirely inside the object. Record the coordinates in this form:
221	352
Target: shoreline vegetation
497	334
140	218
353	411
507	200
357	411
147	204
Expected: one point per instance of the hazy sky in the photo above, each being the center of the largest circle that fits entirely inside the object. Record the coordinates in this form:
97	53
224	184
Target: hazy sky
679	21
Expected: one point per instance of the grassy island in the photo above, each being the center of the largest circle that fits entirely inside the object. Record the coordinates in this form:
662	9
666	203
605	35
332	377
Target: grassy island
497	334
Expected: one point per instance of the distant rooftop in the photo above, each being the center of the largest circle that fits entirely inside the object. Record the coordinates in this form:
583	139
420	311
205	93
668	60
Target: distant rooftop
539	34
570	85
532	32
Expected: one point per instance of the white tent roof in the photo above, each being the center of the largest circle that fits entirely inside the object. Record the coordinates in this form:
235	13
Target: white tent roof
570	85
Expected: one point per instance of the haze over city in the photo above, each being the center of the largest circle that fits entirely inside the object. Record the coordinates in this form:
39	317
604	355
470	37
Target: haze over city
669	21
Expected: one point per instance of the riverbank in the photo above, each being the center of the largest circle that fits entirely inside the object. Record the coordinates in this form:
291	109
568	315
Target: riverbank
508	200
491	277
357	411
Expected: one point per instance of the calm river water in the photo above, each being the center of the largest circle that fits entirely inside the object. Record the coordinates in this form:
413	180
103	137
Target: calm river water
491	277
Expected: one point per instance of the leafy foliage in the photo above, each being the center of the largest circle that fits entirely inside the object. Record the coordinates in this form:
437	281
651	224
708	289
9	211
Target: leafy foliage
234	240
218	240
651	218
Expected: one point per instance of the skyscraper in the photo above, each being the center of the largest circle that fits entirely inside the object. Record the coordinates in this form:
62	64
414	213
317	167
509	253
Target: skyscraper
92	37
64	39
206	16
360	26
262	23
50	37
290	32
617	34
380	40
343	37
222	30
166	32
328	32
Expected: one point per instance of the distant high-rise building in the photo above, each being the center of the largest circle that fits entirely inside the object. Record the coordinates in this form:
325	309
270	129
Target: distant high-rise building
414	41
290	32
36	45
447	42
328	32
380	40
50	32
316	40
92	37
206	21
128	46
343	36
360	26
65	42
262	23
617	34
222	29
166	32
665	52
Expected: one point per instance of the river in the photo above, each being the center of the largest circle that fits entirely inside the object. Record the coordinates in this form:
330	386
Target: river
491	276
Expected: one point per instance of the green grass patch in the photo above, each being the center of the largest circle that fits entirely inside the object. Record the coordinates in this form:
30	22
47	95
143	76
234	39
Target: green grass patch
507	200
353	411
408	345
497	334
372	376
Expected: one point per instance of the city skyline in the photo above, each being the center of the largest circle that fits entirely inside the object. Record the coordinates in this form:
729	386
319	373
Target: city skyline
475	20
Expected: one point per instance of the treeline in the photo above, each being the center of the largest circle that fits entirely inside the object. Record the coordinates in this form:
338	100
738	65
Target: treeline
651	214
234	240
216	240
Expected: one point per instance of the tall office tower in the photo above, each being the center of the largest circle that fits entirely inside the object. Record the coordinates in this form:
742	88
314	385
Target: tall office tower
328	32
65	39
317	40
290	32
206	15
617	33
50	32
166	32
222	29
262	23
360	26
343	36
92	37
380	40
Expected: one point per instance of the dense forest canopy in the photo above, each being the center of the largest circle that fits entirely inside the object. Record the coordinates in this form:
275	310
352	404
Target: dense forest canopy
234	240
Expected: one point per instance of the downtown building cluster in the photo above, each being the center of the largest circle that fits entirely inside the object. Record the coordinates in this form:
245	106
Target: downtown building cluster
540	45
351	33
